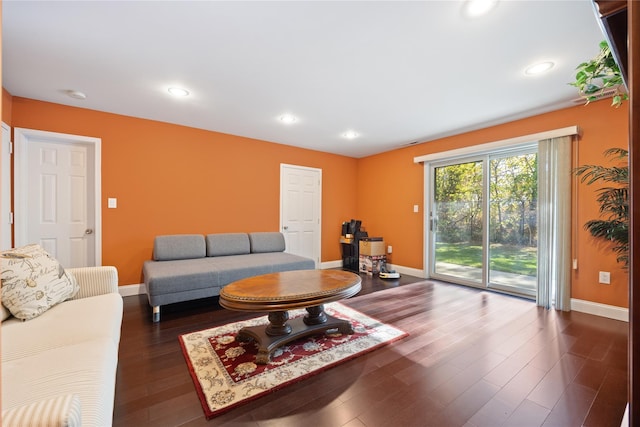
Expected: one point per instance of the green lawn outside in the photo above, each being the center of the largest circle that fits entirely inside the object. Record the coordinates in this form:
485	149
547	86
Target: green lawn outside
506	258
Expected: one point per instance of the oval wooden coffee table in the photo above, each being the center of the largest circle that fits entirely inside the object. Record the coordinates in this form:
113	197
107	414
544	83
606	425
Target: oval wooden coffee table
278	292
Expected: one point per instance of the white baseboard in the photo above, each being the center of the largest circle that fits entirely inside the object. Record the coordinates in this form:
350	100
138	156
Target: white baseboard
407	270
603	310
129	290
330	264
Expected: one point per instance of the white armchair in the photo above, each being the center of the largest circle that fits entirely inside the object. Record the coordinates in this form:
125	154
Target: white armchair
59	369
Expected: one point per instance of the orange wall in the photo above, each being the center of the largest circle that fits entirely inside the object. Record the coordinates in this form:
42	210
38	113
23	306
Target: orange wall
7	101
174	179
390	184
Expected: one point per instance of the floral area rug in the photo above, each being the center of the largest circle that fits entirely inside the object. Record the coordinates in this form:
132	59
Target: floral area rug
225	374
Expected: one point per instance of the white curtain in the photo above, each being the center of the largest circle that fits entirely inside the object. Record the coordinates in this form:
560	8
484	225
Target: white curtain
554	223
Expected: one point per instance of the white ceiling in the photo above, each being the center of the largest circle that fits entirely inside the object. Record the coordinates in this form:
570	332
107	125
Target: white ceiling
395	72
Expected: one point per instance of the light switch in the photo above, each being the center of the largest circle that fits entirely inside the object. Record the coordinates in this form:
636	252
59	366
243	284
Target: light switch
112	203
416	208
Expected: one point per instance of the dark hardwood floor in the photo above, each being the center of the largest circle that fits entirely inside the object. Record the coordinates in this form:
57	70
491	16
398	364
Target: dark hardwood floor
472	358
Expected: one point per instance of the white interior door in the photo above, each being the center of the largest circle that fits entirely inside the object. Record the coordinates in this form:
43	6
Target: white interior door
5	215
57	195
300	207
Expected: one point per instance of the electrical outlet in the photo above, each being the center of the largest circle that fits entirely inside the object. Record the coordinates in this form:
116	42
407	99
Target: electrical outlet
604	277
389	249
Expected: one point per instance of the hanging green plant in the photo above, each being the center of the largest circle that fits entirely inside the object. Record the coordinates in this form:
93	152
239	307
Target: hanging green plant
614	201
599	75
593	79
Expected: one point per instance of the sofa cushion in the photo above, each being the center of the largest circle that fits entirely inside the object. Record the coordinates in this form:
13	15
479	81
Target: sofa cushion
86	368
224	244
235	267
33	281
178	246
65	324
162	277
282	261
267	241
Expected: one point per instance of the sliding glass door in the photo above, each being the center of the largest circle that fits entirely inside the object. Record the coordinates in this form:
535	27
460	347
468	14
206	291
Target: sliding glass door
483	221
513	229
457	221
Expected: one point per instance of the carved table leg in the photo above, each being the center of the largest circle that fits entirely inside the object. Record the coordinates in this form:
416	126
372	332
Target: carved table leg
280	331
315	315
278	324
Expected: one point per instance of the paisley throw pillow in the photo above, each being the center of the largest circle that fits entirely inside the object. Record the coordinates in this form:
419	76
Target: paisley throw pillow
33	281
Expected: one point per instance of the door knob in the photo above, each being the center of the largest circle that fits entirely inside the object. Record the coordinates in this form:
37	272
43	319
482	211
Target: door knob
88	231
286	227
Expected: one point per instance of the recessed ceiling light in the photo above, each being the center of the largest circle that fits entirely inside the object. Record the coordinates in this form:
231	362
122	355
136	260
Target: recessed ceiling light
539	68
288	119
350	134
475	8
178	91
76	94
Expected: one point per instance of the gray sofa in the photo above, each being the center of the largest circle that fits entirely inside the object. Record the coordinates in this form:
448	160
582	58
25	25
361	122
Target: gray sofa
192	266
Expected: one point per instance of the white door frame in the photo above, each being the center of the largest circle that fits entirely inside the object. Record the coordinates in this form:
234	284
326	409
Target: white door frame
5	216
318	248
22	137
